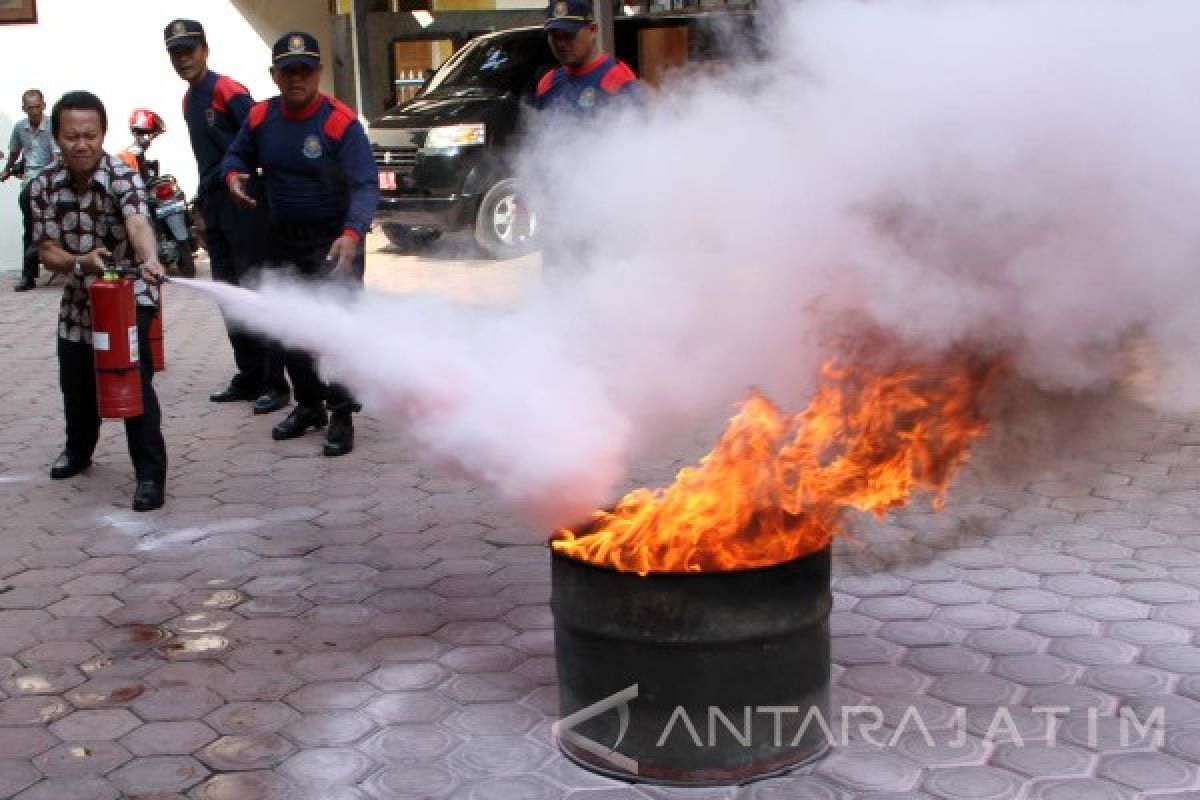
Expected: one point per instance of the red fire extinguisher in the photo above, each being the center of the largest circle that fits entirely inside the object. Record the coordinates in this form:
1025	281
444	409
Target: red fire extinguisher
115	344
158	352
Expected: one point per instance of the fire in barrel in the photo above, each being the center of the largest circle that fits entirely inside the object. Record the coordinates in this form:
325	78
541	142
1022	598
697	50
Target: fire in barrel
692	622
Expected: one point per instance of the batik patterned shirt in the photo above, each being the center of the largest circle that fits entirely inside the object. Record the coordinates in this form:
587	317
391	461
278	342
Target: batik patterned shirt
79	223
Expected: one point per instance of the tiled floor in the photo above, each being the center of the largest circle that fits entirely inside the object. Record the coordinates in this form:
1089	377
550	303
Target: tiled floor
301	627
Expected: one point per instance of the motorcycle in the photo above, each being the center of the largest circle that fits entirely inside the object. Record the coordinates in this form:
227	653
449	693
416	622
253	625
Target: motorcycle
170	211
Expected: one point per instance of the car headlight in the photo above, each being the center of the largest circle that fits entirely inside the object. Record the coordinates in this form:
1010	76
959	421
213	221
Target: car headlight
449	137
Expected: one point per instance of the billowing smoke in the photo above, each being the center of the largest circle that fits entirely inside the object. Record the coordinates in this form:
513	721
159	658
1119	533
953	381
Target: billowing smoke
1012	176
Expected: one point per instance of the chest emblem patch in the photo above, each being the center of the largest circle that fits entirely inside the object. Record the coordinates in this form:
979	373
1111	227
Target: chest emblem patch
587	98
210	117
312	146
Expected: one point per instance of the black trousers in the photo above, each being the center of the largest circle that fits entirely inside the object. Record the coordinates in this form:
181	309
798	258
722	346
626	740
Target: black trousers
303	248
233	238
29	255
77	377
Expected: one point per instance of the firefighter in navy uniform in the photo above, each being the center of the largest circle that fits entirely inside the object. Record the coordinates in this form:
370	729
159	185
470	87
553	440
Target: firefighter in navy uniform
587	78
215	108
322	188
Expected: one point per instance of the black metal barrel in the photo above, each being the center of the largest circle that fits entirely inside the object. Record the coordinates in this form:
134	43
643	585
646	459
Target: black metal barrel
692	678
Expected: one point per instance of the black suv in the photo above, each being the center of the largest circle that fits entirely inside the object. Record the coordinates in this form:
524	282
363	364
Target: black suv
443	156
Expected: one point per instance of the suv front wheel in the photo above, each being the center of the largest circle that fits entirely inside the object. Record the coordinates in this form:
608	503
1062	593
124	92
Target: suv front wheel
505	227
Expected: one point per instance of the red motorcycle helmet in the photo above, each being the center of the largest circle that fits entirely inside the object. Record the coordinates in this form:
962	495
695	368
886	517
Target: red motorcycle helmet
143	120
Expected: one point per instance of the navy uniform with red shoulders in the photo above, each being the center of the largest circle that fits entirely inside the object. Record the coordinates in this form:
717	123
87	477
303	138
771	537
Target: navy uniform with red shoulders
215	110
321	183
589	87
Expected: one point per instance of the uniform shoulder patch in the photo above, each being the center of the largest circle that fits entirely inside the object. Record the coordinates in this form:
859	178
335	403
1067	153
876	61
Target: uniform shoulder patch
258	113
225	90
341	117
546	82
617	78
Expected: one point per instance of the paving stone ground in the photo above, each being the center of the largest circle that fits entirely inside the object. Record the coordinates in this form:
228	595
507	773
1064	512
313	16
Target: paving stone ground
291	626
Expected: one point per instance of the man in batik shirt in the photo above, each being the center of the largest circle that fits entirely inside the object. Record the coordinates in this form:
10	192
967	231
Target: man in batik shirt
89	209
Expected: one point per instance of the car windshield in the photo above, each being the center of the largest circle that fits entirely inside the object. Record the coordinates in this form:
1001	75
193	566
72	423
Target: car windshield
501	63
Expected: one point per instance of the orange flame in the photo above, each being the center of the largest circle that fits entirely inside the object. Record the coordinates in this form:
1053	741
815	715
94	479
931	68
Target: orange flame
775	487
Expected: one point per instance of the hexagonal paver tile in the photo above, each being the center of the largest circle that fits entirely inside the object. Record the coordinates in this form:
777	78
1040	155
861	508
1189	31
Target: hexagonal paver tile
411	743
1059	623
32	710
527	787
86	726
186	702
975	783
15	776
851	650
86	788
481	756
412	780
1146	772
1033	670
339	695
1179	658
1093	651
481	659
1003	641
400	707
894	608
24	742
882	679
325	767
169	738
158	774
974	690
331	667
246	786
329	728
250	752
494	719
249	718
918	633
1043	761
1126	679
945	660
941	748
868	770
82	758
256	684
49	679
404	677
1076	788
474	633
974	616
106	693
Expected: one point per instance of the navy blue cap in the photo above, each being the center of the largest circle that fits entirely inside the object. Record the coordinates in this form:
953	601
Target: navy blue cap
568	15
296	47
183	33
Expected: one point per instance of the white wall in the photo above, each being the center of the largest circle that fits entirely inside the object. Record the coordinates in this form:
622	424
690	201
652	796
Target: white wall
115	49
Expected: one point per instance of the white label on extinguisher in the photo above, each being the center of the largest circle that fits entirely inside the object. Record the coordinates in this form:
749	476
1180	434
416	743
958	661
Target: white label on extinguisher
133	344
100	340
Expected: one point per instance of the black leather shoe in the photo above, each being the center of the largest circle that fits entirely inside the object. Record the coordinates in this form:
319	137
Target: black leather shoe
300	420
68	465
272	400
147	496
25	285
339	439
234	393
